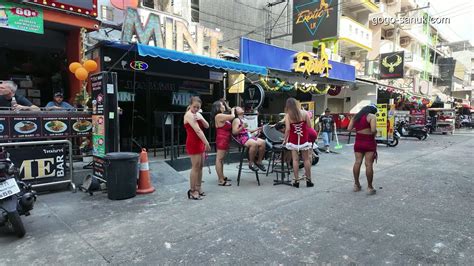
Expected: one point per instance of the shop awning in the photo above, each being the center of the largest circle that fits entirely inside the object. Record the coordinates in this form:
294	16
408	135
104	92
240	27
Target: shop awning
146	50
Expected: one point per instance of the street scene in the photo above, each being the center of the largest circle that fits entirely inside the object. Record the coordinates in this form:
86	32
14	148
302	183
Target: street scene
261	132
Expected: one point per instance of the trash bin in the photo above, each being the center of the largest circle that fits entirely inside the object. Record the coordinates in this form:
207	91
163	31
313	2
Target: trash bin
121	173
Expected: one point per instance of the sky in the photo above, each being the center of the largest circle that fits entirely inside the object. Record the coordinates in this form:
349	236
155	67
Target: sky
461	14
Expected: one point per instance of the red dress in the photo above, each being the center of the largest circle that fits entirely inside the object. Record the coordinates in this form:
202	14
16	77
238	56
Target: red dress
223	136
299	137
194	144
364	142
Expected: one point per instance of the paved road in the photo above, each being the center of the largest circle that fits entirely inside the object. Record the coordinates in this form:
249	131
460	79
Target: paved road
422	213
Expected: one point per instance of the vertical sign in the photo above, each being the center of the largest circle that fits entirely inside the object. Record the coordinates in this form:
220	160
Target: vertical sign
104	118
382	118
391	122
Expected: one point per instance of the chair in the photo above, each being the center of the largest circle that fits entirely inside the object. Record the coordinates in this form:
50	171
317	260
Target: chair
243	155
275	138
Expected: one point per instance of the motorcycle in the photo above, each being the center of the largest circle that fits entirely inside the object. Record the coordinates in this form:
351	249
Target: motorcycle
390	143
417	131
16	197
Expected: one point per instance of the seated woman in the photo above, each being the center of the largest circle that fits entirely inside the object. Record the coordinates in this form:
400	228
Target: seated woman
246	138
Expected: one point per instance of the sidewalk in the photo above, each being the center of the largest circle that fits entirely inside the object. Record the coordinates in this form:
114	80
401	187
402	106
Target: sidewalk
422	213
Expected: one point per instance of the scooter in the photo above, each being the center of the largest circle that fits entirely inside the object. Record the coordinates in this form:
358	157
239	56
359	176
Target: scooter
417	131
391	143
16	197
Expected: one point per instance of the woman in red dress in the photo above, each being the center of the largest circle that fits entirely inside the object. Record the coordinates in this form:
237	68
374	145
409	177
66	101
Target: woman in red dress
196	145
223	126
297	139
365	124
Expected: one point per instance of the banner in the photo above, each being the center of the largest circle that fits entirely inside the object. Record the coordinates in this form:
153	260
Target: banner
47	163
315	20
20	17
391	65
382	119
391	122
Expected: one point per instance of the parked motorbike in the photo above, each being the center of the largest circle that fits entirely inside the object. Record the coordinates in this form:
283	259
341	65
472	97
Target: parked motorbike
16	197
390	143
417	131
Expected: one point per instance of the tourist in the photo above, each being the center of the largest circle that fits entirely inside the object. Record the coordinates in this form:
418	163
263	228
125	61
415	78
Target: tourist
365	145
222	122
255	145
196	146
9	98
58	103
326	127
297	139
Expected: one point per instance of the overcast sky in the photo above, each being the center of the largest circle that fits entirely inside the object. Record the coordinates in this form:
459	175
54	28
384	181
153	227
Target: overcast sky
461	14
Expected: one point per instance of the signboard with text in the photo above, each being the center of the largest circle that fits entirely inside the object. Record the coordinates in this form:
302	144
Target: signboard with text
391	65
21	17
315	20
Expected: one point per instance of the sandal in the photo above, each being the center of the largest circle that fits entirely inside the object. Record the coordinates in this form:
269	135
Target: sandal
371	191
225	184
227	179
202	194
357	188
253	167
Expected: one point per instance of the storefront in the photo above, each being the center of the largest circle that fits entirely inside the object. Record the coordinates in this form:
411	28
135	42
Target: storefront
303	75
38	41
155	84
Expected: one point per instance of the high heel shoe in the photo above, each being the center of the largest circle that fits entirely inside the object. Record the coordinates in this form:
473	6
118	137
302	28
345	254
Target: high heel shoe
296	184
309	184
191	196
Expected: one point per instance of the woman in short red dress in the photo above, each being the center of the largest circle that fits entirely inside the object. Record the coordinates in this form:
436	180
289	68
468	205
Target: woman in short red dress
297	139
196	145
365	145
223	124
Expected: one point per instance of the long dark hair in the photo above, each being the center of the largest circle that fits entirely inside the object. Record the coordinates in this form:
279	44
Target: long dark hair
215	109
369	109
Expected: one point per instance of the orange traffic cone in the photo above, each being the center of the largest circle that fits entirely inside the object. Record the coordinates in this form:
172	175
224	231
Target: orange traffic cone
144	182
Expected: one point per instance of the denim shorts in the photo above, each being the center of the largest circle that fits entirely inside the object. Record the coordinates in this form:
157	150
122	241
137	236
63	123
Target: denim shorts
326	138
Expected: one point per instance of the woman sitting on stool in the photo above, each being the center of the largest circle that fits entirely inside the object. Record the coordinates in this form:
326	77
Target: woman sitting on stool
244	137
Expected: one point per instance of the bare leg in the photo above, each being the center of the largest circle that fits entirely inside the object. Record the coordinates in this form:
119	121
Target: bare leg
356	169
307	164
252	146
369	170
220	165
199	181
296	165
194	175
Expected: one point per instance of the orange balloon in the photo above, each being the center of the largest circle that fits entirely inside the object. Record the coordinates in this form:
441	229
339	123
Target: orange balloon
74	66
81	73
90	65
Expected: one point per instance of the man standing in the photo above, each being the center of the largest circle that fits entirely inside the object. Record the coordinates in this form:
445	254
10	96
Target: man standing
58	103
326	126
9	99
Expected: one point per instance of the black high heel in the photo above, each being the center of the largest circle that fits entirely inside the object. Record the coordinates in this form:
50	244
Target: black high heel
296	184
309	184
191	196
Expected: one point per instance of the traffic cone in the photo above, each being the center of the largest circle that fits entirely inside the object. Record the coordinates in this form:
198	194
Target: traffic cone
144	182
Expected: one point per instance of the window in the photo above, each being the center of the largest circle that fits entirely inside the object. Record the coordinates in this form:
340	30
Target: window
195	10
107	13
148	3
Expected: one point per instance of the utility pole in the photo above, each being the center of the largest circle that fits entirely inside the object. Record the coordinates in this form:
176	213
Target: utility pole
268	25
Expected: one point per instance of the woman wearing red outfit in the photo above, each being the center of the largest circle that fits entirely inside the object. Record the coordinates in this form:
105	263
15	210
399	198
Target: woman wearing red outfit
196	145
297	139
365	124
223	126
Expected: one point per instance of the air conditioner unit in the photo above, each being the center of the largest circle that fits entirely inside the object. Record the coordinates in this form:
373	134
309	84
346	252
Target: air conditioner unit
389	33
355	54
405	41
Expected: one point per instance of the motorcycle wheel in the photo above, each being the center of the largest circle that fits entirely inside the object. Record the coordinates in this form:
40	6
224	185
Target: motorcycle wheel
16	223
393	143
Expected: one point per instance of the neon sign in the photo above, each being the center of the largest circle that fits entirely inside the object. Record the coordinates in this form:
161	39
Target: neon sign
139	65
307	64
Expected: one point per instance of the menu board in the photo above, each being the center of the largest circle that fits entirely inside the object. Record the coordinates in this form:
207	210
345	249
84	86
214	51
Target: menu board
98	121
55	126
25	127
4	126
44	125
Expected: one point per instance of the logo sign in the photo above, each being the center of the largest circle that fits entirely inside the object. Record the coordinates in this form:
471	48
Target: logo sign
139	65
315	20
39	162
20	17
391	65
307	64
253	97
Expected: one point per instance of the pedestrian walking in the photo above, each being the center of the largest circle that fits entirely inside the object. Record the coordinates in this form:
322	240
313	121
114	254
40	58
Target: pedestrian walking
365	147
223	125
297	139
326	127
196	146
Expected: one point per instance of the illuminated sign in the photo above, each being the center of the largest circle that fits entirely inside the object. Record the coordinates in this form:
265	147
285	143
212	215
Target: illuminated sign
307	64
315	20
162	30
139	65
86	7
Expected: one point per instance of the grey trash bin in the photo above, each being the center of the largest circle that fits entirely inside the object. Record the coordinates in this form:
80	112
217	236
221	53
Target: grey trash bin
121	173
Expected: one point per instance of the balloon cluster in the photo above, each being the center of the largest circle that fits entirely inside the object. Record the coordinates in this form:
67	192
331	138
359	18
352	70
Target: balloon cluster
82	71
